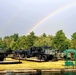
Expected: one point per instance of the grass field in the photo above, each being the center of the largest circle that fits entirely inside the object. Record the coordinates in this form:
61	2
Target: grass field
32	65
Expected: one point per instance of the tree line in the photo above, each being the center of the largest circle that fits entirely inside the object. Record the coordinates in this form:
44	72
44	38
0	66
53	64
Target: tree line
59	41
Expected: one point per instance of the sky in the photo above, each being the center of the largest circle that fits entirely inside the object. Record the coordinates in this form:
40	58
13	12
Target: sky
40	16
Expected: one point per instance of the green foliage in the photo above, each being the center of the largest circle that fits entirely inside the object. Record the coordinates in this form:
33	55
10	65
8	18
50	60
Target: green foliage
73	36
43	40
30	39
59	41
1	42
14	37
73	43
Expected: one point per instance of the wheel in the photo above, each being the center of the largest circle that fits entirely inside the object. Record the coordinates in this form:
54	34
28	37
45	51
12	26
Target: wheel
28	56
39	57
1	58
51	57
22	55
44	57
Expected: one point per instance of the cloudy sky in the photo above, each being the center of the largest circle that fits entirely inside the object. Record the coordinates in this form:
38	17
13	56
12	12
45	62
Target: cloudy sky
40	16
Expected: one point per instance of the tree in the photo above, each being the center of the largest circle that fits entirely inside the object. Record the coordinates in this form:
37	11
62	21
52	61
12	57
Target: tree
14	37
21	43
7	42
59	41
73	36
13	45
73	39
44	35
30	39
1	43
43	40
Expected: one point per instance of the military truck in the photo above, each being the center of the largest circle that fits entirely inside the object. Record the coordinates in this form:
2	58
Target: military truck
32	52
41	53
4	53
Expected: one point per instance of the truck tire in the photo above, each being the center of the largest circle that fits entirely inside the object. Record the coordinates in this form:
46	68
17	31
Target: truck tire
44	58
51	57
1	58
22	55
39	57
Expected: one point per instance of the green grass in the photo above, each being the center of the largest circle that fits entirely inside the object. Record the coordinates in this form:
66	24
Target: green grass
32	65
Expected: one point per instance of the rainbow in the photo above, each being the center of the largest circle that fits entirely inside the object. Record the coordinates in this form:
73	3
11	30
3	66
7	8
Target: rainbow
8	23
50	15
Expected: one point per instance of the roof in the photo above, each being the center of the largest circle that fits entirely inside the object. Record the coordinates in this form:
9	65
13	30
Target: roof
69	51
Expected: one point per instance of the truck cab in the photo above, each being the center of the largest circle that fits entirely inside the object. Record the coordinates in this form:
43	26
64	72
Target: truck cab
2	54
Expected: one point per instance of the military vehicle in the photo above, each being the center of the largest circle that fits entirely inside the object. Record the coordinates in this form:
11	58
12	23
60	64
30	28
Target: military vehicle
4	53
32	52
41	53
